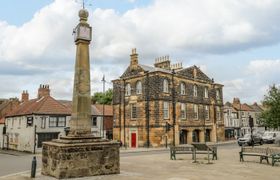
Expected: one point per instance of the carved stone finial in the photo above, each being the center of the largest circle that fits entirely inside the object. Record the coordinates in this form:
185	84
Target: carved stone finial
83	14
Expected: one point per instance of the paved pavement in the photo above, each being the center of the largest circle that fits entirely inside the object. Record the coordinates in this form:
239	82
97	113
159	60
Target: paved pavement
159	166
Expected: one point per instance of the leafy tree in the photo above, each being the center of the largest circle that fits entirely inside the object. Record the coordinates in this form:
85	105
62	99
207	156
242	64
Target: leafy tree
103	98
271	115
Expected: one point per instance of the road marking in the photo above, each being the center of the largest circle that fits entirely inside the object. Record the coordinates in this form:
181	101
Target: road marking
19	173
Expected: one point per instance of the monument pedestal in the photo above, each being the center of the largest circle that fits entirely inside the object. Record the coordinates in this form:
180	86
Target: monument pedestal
72	157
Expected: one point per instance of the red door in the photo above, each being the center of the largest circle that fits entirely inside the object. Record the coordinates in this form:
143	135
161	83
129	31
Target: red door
133	140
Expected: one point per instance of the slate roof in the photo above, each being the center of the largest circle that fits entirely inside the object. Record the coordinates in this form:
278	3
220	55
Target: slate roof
187	72
256	107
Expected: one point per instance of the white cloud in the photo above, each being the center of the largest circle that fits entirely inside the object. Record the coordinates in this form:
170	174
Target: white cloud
179	27
265	66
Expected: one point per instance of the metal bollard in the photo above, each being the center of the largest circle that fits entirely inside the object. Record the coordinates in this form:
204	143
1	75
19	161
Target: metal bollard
33	167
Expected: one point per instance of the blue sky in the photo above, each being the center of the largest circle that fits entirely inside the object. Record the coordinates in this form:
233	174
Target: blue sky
235	42
29	7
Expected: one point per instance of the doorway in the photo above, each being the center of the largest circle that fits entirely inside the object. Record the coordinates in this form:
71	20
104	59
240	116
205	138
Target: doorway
183	137
133	140
195	137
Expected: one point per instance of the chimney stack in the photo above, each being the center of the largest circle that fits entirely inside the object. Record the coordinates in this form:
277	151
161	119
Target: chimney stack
163	62
133	60
43	91
24	96
236	101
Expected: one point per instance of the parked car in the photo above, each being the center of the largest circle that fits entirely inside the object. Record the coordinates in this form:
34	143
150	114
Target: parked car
269	137
246	140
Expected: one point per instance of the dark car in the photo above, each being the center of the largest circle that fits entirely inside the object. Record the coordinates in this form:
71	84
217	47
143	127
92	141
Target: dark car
246	140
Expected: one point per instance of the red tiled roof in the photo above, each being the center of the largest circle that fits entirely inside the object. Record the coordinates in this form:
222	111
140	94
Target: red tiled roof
108	109
45	105
242	107
94	110
2	120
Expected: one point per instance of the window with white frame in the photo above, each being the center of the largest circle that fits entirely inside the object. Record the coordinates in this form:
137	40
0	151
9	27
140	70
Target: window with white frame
206	92
195	90
138	87
43	122
165	85
59	121
133	110
218	111
183	88
218	94
166	110
19	122
127	90
94	121
207	112
183	111
195	111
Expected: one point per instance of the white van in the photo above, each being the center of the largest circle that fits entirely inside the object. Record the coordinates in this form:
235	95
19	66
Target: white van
269	137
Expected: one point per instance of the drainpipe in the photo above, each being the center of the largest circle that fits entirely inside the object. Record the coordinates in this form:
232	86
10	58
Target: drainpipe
148	109
124	125
173	106
120	112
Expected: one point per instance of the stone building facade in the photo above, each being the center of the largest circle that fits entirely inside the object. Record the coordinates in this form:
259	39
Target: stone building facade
236	118
166	104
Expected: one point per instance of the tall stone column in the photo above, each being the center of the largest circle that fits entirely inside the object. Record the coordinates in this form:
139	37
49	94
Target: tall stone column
80	153
201	136
189	136
80	123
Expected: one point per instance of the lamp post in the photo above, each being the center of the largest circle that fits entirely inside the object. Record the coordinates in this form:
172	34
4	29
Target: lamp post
173	106
103	80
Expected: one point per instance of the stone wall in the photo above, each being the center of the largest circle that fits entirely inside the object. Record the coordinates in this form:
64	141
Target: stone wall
79	160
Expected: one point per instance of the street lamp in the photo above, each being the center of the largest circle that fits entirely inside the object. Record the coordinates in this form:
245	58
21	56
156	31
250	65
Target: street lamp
103	80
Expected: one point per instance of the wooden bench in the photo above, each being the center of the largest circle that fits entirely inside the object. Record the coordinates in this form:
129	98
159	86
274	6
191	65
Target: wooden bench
186	149
203	148
254	151
274	154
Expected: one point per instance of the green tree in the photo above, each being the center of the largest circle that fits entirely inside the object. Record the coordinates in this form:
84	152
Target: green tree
103	98
271	115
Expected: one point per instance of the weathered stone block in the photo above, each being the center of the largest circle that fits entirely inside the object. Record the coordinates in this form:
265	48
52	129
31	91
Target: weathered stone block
71	160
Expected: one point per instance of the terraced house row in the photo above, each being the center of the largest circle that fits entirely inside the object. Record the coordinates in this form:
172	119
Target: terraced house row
166	104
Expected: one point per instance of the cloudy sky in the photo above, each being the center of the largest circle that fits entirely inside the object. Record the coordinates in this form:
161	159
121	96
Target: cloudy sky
236	42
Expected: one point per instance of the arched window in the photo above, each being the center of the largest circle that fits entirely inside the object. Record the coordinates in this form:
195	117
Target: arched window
218	94
205	92
138	87
165	86
183	111
195	90
127	90
183	88
195	111
207	114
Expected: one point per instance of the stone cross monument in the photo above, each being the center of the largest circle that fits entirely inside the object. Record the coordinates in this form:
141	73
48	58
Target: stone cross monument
80	123
79	153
